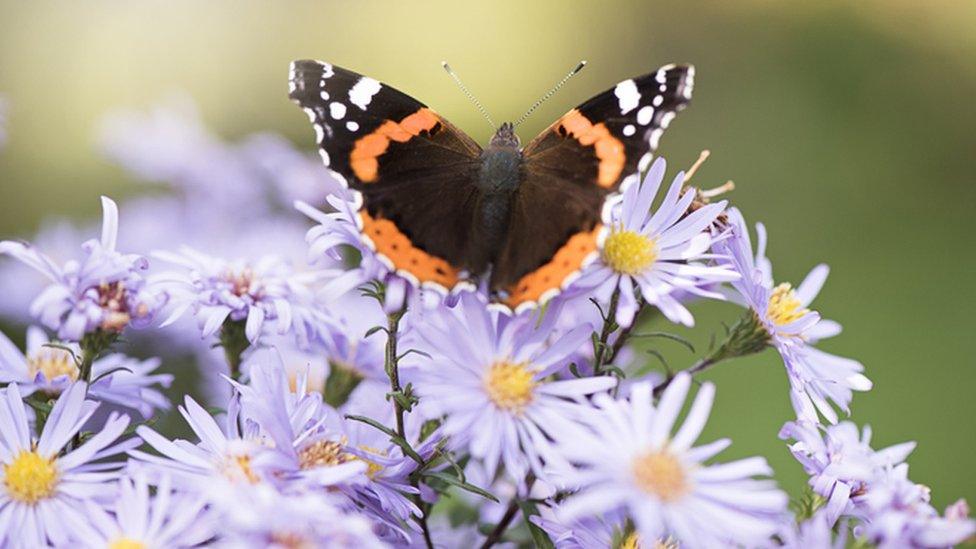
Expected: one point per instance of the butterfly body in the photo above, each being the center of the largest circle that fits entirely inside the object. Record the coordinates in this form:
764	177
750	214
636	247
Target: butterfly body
441	210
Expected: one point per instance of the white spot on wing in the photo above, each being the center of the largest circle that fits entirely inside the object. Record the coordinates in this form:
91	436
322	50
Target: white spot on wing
363	91
319	133
644	162
627	96
666	119
629	130
656	137
644	115
325	157
310	113
352	126
658	99
337	110
324	95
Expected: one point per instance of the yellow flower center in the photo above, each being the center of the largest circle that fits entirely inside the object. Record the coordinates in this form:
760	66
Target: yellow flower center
661	474
237	467
323	453
52	363
784	307
126	543
372	468
629	252
30	477
632	541
510	385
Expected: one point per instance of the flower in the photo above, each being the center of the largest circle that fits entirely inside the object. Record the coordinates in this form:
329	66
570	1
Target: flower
40	482
661	253
816	377
137	520
840	462
253	292
489	375
626	459
118	379
227	453
105	291
899	515
260	516
816	531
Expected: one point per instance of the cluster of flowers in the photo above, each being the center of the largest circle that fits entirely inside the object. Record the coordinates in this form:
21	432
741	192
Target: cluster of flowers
345	406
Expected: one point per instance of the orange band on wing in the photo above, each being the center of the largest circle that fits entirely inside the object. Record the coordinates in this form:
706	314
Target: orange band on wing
367	149
395	245
567	260
609	150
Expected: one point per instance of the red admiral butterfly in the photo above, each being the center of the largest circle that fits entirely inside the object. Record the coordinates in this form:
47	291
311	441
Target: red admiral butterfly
438	206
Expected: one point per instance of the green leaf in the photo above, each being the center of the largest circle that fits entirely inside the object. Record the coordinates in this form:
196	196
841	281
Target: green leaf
454	481
667	335
539	537
373	330
394	437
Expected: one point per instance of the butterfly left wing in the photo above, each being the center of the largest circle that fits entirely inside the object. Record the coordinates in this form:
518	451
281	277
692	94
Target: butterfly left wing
414	170
580	159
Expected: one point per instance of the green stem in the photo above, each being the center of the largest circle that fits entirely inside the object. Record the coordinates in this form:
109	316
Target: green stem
609	326
747	336
233	339
391	365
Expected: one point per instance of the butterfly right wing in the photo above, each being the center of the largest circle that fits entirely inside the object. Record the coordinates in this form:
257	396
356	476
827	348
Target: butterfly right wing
415	170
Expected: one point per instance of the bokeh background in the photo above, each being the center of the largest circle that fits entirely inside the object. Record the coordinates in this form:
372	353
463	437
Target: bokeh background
848	126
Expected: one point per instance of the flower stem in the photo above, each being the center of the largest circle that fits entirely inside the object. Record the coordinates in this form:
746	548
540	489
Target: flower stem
391	365
513	507
92	346
747	336
234	341
609	327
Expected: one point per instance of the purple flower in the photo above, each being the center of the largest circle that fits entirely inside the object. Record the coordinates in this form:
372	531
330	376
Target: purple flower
104	291
257	293
626	459
840	461
136	519
40	485
260	516
118	379
662	253
816	378
898	514
490	376
817	531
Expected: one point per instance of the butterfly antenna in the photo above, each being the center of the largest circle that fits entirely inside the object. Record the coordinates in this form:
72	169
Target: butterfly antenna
551	92
468	94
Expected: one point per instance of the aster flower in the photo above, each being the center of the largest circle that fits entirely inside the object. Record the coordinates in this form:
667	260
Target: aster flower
120	380
898	514
256	293
40	482
626	459
817	531
260	516
662	253
489	376
784	321
104	291
137	520
841	462
229	453
583	532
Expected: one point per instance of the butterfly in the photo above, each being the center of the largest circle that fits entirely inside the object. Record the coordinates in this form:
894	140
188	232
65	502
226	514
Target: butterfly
443	211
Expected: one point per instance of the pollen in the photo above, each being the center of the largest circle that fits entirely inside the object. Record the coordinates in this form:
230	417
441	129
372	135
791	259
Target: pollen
372	468
324	453
510	385
30	477
661	474
52	363
126	543
784	306
628	252
237	467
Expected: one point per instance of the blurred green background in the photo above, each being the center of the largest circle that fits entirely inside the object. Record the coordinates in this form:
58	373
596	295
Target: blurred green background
849	128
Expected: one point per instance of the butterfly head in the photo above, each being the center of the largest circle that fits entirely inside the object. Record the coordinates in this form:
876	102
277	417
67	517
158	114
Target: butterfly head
505	137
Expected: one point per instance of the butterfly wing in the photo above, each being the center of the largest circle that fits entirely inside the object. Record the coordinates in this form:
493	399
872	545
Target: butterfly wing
416	171
576	163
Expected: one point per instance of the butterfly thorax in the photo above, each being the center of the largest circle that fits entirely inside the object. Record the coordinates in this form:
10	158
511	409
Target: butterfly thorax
498	179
